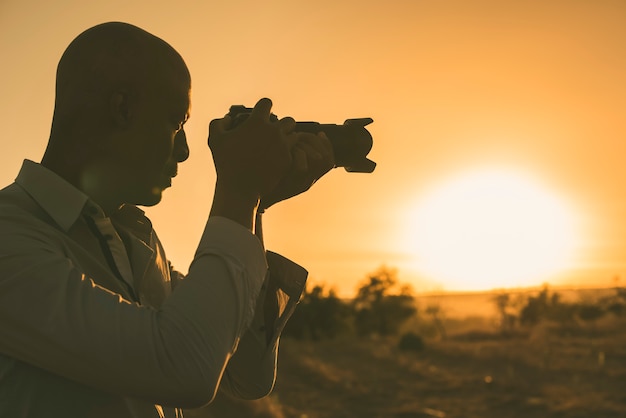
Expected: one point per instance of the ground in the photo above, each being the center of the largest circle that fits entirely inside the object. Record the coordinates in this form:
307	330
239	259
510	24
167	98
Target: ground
549	371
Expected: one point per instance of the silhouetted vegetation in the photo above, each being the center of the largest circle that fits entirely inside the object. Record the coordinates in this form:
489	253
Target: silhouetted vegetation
549	306
616	303
545	305
411	341
505	305
434	311
380	307
320	314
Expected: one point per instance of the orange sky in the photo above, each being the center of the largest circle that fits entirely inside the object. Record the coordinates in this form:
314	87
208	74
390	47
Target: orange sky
535	86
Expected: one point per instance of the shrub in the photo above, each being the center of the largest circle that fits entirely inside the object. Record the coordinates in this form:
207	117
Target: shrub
411	341
381	305
321	314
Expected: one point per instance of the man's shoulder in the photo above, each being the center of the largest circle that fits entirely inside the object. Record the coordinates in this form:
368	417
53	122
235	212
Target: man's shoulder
19	211
14	201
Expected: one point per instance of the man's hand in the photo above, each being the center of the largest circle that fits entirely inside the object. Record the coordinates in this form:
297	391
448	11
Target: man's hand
312	157
250	161
254	156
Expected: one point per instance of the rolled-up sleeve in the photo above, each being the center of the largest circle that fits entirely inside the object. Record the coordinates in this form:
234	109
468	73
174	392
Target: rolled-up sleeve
251	372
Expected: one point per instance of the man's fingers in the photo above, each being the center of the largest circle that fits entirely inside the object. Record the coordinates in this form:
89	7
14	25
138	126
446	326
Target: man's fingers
299	160
287	124
325	149
292	139
219	126
262	109
318	148
309	149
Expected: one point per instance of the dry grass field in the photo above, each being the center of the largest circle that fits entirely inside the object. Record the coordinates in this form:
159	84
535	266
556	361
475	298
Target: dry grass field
547	371
472	377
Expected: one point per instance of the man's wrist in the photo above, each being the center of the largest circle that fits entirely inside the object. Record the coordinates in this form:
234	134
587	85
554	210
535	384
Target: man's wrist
235	204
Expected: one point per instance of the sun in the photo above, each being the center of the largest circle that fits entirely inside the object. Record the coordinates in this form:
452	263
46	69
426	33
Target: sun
491	229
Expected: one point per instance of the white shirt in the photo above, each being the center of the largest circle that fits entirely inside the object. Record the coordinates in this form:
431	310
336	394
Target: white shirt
71	335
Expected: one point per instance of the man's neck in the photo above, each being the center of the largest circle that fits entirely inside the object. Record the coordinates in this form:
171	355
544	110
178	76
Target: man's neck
97	190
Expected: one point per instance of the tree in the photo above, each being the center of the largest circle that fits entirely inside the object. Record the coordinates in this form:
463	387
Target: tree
545	305
504	303
549	306
434	310
381	305
616	303
320	314
590	312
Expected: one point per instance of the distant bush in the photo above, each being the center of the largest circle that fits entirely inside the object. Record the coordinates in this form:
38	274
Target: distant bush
321	314
616	303
381	305
589	312
507	307
547	305
411	342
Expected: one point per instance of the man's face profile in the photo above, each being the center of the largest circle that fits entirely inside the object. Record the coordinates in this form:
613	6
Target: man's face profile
154	143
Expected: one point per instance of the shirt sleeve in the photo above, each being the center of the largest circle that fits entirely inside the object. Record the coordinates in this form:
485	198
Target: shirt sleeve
251	372
54	317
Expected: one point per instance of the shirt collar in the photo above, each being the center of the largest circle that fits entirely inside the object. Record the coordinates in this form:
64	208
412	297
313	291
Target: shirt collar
61	200
65	203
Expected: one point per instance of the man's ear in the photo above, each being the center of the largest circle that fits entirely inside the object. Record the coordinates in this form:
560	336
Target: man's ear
120	108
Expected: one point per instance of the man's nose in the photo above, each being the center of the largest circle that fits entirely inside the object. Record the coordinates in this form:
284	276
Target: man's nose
181	149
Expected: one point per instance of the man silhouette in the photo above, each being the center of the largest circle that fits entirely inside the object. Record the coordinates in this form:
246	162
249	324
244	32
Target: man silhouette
94	322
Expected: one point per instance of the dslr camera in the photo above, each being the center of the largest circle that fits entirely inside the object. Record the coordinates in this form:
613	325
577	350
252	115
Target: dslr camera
351	142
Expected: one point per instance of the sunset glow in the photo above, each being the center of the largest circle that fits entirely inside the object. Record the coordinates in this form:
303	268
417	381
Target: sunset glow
492	229
536	89
478	271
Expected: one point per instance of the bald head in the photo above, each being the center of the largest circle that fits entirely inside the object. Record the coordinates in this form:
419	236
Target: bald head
105	59
122	96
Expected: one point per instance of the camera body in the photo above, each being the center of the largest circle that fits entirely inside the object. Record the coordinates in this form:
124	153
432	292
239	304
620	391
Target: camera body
351	142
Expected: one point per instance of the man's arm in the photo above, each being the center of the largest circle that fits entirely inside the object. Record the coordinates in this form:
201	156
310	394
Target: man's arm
247	170
56	318
251	372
